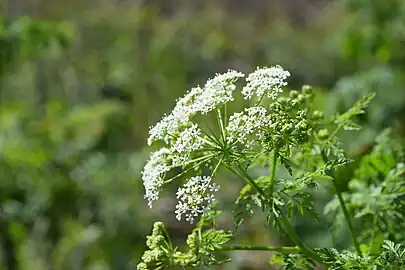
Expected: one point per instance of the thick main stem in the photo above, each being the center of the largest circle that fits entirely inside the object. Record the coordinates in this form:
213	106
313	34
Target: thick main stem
288	229
344	208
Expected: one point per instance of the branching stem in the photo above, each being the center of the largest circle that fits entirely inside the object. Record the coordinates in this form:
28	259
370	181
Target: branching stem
288	229
344	209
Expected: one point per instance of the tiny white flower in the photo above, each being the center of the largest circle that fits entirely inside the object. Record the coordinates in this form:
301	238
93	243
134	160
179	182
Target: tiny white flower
266	81
195	197
152	174
218	91
170	124
187	105
252	121
188	141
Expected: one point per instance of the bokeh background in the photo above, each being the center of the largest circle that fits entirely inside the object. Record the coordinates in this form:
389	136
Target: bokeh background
82	81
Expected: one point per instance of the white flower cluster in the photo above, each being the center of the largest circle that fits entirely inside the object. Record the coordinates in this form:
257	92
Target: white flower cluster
170	124
183	137
153	172
188	141
187	106
195	197
266	81
251	121
217	91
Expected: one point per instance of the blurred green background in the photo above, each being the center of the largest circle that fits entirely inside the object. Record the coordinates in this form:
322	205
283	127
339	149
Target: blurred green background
82	81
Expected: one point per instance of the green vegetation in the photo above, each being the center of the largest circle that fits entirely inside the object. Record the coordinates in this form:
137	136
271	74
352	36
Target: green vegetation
323	184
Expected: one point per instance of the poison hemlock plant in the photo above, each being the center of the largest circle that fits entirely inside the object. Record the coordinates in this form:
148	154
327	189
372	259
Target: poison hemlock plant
277	130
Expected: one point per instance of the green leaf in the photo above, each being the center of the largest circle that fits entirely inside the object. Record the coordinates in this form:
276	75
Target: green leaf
335	164
344	120
247	200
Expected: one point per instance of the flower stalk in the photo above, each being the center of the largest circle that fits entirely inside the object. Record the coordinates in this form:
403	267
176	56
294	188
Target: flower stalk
344	209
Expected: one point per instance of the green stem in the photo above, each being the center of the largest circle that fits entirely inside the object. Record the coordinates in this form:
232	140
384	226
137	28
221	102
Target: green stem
272	169
221	125
344	208
288	229
244	175
168	240
259	100
201	161
260	248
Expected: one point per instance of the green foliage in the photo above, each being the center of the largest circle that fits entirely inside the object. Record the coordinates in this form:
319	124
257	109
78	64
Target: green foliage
344	120
376	191
390	258
286	128
26	38
293	262
70	196
203	245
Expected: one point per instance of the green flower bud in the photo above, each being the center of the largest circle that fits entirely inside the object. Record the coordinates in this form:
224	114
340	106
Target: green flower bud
159	240
307	89
301	114
149	256
158	228
294	103
142	266
301	98
150	241
287	128
294	94
192	241
303	125
317	115
323	134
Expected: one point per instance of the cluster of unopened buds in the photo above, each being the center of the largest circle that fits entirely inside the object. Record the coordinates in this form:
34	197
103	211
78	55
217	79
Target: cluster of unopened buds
188	145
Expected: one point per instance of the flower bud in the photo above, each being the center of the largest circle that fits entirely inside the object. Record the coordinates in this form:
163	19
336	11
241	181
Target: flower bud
142	266
287	128
294	103
317	115
192	241
307	89
301	114
294	94
303	125
301	98
150	241
323	134
158	227
159	240
149	256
